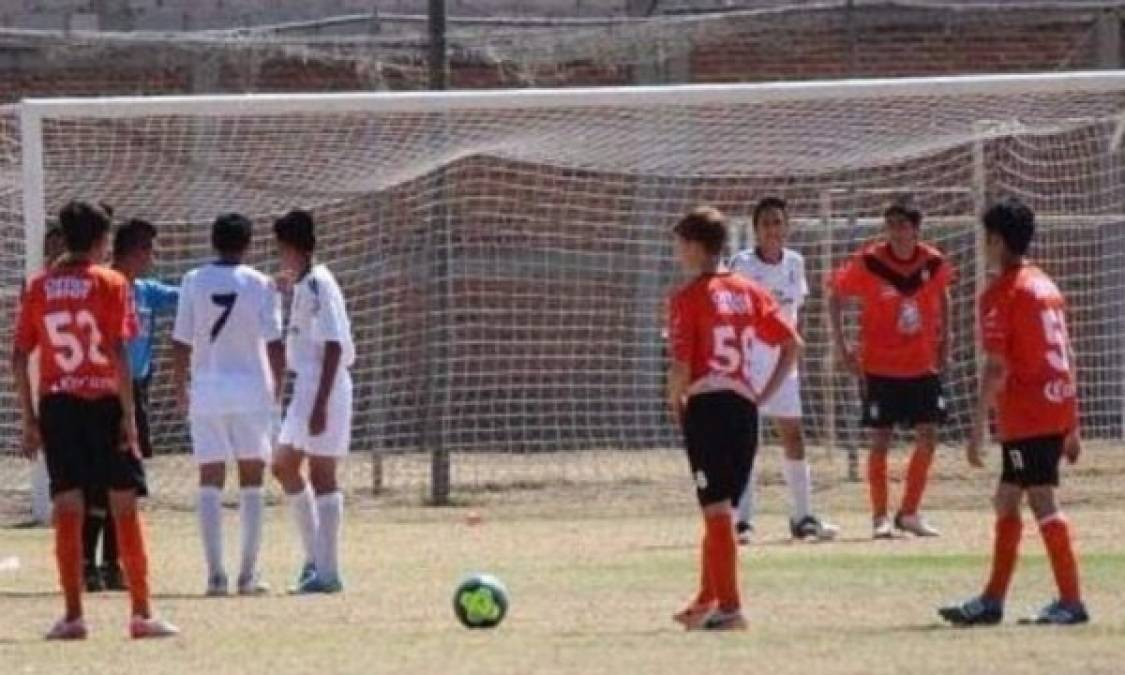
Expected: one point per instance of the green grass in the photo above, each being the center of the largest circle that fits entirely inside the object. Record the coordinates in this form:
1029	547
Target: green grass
590	594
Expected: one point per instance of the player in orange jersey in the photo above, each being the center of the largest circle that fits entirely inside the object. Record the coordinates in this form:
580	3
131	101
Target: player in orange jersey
714	322
1029	381
79	315
902	287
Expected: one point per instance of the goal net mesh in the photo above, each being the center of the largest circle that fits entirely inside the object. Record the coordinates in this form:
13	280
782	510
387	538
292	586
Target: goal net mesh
505	266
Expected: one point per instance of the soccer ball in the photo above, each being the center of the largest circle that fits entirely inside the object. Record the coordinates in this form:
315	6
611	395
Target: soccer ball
480	601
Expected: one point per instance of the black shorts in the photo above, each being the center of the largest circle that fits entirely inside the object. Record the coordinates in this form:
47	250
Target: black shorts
82	446
140	407
721	435
902	401
1032	462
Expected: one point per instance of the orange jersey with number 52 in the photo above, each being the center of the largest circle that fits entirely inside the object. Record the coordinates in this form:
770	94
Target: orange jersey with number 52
77	314
714	322
1023	321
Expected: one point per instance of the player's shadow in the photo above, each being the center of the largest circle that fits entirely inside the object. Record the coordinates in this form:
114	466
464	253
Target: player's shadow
907	628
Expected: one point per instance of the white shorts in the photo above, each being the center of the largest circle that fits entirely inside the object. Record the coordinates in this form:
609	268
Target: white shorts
237	436
786	403
336	438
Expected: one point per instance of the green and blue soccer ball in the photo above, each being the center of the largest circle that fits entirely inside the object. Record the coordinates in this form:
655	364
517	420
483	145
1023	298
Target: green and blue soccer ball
480	601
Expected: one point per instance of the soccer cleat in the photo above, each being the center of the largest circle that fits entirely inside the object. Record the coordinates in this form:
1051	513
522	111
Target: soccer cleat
882	529
315	584
915	524
691	616
141	628
308	570
252	585
979	611
1058	613
744	530
720	620
811	526
68	630
217	586
113	578
93	579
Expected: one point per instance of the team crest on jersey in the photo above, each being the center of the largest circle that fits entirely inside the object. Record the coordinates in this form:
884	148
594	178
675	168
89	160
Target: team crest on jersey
909	318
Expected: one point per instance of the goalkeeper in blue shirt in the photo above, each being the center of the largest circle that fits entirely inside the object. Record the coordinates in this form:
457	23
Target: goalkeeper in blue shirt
132	256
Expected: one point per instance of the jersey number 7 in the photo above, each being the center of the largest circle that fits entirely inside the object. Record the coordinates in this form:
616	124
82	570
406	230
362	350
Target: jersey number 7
226	301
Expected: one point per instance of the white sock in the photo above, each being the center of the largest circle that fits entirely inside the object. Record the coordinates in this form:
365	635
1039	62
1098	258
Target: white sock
330	513
250	501
800	488
211	528
303	507
746	502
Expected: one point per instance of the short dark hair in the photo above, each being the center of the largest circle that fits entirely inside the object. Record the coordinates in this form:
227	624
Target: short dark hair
1012	221
903	208
231	233
706	225
765	204
296	229
53	230
83	225
133	235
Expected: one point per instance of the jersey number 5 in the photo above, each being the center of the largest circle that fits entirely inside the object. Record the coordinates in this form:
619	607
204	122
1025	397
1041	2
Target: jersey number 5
732	351
68	348
226	302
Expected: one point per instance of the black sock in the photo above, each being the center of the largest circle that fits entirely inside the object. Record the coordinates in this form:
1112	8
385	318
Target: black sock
91	531
109	544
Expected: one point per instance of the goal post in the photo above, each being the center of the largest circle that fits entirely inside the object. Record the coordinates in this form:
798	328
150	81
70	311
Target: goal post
505	253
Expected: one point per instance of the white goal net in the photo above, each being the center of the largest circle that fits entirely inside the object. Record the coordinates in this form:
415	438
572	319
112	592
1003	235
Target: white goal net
505	253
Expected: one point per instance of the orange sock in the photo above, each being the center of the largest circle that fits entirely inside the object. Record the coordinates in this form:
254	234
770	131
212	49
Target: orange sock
877	482
1005	552
134	558
1056	536
916	474
68	556
722	558
706	594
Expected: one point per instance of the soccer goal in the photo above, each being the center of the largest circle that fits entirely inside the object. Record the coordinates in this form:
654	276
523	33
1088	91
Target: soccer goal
505	253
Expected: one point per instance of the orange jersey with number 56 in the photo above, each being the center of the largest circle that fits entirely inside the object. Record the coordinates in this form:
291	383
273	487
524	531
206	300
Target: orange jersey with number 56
1023	321
714	322
77	314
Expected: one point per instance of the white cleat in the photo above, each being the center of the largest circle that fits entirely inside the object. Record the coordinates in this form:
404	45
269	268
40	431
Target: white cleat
882	528
68	630
811	527
141	628
916	525
252	585
217	586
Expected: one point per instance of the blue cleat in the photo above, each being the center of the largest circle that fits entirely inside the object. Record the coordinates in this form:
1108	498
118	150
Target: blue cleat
315	584
308	571
1058	613
980	611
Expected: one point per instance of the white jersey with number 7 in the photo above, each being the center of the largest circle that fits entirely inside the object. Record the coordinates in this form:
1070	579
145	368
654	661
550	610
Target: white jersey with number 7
227	314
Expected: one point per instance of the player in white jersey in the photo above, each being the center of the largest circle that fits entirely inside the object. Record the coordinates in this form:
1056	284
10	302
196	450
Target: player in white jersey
782	271
318	421
228	324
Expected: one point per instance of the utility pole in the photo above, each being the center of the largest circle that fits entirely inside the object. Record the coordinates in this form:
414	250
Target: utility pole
438	250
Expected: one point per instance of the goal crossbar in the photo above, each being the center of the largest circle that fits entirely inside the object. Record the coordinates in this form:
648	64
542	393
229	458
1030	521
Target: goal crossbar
581	97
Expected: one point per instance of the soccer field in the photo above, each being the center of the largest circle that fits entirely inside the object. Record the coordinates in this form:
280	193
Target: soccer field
594	574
